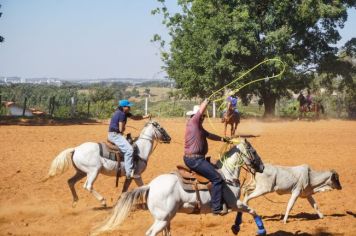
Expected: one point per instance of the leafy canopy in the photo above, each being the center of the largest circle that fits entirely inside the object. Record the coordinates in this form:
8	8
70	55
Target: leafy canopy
214	41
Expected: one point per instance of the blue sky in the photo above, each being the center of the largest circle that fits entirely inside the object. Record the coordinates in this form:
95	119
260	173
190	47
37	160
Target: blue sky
79	39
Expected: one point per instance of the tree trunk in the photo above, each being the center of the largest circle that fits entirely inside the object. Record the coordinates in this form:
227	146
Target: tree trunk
270	106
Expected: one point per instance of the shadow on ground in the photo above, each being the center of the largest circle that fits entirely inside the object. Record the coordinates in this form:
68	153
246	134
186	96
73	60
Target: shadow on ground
301	216
318	232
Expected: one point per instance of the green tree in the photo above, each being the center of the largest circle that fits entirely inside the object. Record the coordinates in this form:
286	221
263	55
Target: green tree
147	91
135	93
101	95
214	41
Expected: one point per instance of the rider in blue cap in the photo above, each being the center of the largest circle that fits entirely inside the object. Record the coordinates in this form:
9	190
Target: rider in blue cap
116	133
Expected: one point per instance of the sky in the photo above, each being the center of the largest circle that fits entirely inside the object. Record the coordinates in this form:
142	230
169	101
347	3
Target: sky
88	39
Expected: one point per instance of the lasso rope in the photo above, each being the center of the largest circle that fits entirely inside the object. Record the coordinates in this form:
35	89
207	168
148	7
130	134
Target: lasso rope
251	82
224	158
239	87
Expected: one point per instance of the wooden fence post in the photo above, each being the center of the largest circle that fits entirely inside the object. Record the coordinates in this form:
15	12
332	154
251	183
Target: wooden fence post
24	107
53	101
146	105
49	106
88	113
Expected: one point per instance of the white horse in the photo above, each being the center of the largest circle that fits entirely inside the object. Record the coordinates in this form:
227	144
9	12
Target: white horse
88	162
165	195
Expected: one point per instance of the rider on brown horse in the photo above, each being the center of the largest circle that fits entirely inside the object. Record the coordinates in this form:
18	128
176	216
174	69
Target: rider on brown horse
231	116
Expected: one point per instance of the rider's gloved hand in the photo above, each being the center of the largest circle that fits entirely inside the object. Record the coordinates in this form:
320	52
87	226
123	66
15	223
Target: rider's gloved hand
226	139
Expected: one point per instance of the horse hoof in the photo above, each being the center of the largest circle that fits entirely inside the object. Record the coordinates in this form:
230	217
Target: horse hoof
235	229
74	204
261	232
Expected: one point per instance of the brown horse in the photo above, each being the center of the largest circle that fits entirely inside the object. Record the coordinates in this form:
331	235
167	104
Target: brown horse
315	108
232	118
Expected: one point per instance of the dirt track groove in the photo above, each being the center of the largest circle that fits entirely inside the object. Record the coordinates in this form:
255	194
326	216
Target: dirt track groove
28	207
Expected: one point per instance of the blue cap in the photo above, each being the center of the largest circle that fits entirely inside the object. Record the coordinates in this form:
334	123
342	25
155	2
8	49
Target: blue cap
125	103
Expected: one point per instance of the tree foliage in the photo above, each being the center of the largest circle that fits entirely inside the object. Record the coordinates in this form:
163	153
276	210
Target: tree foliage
214	41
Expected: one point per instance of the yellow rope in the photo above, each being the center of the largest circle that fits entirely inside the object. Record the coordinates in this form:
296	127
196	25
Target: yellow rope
223	157
253	81
244	85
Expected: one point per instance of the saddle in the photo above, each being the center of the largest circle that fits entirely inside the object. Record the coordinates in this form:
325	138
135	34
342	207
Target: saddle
192	181
110	151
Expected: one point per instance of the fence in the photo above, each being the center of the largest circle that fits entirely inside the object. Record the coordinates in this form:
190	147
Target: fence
81	107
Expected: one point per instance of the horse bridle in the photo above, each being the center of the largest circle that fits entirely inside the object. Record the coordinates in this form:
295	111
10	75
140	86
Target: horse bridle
250	153
156	128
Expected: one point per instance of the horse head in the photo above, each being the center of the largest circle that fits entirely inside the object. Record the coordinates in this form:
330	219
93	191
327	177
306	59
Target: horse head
250	157
159	132
335	180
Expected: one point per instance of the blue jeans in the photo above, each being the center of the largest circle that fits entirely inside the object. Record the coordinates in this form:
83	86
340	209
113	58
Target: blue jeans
125	147
203	167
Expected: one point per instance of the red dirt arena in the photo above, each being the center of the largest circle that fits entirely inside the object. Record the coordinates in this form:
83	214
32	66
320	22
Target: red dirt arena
30	207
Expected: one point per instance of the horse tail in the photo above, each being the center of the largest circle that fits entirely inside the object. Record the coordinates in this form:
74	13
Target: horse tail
60	164
122	209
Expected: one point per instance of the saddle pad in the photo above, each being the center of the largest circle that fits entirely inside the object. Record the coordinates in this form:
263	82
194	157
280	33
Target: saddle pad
189	185
108	153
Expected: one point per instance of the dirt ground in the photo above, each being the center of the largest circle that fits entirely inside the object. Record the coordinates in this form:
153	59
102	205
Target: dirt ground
29	207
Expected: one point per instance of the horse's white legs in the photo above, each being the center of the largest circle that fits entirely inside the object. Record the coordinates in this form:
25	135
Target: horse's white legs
89	186
157	227
291	202
315	206
72	181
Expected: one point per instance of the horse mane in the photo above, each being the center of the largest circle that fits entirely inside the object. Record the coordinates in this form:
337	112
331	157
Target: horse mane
225	156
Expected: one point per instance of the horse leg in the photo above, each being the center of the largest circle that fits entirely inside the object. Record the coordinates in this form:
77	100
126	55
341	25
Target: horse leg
291	202
72	181
126	185
89	186
139	182
157	227
225	129
232	129
258	220
167	230
315	206
235	127
238	220
256	193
